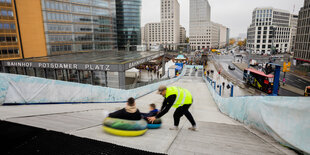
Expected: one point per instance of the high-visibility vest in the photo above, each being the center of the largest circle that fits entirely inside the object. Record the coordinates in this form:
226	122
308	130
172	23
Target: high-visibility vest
183	96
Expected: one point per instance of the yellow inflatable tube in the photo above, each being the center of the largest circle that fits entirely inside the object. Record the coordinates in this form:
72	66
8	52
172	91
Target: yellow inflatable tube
127	133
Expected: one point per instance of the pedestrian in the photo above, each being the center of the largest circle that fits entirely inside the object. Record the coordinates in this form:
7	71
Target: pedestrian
208	73
283	80
179	98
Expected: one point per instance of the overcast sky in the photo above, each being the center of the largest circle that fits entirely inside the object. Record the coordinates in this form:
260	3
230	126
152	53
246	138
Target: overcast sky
234	14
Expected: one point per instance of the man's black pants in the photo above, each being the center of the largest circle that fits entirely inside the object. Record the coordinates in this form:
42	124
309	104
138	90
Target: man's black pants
183	110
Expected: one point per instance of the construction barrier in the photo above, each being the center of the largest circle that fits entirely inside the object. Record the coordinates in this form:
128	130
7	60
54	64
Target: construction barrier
21	89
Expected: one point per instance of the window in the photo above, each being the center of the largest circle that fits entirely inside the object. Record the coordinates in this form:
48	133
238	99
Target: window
13	26
10	13
2	39
6	26
4	13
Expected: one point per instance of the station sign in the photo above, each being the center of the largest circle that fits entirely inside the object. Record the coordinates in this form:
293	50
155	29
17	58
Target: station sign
80	66
94	67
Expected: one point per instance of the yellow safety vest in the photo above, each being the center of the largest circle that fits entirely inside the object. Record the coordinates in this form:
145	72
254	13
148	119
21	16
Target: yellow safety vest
183	96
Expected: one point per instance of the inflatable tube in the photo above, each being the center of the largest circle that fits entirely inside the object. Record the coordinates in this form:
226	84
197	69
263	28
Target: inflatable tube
157	121
122	124
126	133
153	126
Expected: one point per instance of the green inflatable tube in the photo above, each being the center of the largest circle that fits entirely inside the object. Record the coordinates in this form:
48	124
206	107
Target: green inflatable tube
122	124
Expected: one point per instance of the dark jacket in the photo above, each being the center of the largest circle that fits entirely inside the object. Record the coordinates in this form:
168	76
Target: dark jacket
167	104
123	114
150	114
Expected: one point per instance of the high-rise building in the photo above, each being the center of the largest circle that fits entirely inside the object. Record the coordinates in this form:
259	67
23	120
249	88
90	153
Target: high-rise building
9	32
152	34
270	27
50	27
143	37
182	34
128	23
200	26
302	44
167	31
227	36
170	23
223	35
203	33
293	25
214	35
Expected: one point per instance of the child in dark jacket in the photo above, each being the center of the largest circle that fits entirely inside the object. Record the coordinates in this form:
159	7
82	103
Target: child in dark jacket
130	112
153	111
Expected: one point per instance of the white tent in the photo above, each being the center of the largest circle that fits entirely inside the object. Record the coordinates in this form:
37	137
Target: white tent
133	72
167	65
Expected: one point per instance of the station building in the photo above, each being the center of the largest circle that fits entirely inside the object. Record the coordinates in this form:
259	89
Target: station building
89	68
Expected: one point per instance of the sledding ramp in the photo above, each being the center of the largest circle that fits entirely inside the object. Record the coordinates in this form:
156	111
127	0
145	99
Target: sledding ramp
217	133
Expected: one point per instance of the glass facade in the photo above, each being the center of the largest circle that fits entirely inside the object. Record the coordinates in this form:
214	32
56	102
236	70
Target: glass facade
128	23
9	45
79	25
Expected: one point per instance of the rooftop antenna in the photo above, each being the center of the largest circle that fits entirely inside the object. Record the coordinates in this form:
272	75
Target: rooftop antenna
294	8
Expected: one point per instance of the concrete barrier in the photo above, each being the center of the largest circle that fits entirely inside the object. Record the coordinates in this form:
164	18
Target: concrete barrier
286	119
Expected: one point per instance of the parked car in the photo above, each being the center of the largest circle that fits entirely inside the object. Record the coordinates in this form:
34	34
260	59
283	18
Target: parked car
231	67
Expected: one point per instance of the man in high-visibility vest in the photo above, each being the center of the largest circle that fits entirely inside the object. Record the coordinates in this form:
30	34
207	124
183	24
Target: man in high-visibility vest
179	98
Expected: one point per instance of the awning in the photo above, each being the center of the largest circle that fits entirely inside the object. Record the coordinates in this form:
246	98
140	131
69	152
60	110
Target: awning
180	57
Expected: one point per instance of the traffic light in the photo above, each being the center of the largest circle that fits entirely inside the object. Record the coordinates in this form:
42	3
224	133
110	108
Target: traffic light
286	66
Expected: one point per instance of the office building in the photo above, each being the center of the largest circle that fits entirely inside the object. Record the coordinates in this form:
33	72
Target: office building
170	23
270	27
302	44
223	35
167	31
128	23
9	32
203	33
152	34
200	25
182	34
293	25
49	27
227	36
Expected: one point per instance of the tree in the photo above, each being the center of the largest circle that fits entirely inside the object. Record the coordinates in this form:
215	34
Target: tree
232	41
187	40
241	43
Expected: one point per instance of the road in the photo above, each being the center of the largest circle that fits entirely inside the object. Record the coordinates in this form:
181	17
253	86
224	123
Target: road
290	79
293	80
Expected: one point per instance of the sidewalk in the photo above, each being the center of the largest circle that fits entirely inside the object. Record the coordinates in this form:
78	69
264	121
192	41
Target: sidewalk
292	89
